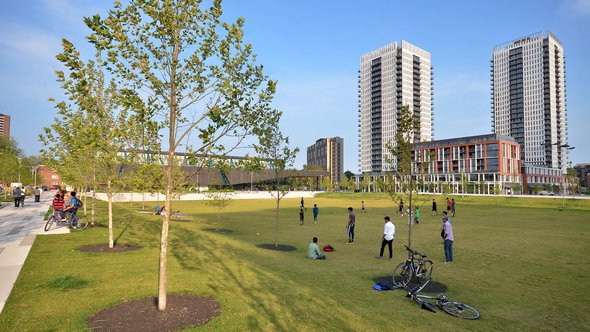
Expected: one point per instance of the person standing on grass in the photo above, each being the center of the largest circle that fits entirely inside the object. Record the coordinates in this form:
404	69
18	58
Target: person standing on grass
363	207
448	205
434	209
303	204
313	251
448	238
316	211
453	207
401	207
416	216
388	234
446	215
350	225
301	217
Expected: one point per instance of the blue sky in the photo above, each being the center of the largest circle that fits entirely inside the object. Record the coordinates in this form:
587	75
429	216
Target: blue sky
313	49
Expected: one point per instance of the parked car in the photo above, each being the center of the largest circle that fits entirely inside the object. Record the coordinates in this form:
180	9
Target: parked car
546	193
44	188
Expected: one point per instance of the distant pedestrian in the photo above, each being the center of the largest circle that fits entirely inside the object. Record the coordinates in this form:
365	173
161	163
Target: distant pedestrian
388	234
303	204
350	225
401	207
22	197
448	238
316	211
313	251
301	217
37	194
434	209
416	216
453	207
363	207
446	215
448	204
16	194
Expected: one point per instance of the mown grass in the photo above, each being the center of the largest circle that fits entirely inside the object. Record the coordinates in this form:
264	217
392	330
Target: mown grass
523	267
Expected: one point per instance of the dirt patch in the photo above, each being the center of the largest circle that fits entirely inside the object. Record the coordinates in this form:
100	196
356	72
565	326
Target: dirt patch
280	247
220	230
182	311
432	287
105	248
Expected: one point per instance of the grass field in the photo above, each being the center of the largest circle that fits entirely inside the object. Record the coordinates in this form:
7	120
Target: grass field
522	263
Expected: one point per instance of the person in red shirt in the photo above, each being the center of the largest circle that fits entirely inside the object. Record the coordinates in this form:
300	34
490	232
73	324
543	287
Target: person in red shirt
58	205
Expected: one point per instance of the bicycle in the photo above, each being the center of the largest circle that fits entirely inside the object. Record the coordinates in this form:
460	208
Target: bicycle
418	268
73	221
453	308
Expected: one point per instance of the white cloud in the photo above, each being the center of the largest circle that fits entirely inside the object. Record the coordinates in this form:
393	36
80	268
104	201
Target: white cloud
24	43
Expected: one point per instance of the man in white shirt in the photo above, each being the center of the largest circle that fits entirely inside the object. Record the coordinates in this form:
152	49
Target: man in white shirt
388	233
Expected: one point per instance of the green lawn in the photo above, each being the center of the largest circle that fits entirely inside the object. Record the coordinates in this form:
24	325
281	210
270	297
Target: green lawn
523	264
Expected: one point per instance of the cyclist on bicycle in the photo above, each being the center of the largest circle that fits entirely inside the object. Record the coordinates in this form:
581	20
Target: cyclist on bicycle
72	207
58	205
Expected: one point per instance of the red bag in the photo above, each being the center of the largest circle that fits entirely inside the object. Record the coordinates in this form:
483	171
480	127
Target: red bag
328	248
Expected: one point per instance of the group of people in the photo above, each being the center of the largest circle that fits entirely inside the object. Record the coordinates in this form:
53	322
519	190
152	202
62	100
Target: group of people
315	210
19	194
65	202
389	231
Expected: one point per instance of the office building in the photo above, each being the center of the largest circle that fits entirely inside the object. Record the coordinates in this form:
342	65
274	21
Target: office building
328	153
394	75
528	99
5	125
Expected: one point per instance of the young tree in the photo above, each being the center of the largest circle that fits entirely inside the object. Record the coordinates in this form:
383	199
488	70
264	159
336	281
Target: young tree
275	148
219	199
407	176
196	74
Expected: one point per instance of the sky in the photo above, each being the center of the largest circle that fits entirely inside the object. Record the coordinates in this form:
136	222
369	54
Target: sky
313	50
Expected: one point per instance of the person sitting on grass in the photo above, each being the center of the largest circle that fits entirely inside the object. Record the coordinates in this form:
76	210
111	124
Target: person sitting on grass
313	251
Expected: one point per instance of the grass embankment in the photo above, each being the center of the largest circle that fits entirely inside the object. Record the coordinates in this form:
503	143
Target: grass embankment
524	268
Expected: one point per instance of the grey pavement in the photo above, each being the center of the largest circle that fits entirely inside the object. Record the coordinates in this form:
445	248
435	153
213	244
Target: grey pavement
18	230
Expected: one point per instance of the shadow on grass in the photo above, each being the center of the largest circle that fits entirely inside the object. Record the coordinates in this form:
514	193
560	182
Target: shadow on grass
67	283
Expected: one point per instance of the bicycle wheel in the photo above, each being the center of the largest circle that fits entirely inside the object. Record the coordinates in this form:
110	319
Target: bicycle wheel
73	220
460	310
82	222
425	273
402	274
49	223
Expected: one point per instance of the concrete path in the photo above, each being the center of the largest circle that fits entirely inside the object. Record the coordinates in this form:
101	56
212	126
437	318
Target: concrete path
18	229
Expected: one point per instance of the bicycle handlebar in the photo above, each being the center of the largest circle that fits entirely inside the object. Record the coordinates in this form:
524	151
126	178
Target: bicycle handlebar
414	252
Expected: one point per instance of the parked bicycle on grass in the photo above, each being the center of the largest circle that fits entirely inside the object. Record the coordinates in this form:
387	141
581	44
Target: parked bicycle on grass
415	267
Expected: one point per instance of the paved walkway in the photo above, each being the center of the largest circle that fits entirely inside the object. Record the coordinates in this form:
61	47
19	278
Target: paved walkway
18	229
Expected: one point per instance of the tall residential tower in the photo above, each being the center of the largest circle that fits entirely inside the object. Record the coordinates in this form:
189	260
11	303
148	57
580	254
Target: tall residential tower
395	75
5	125
528	98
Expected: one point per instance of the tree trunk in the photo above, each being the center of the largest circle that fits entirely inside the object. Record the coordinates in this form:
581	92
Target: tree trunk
164	239
110	194
92	209
277	222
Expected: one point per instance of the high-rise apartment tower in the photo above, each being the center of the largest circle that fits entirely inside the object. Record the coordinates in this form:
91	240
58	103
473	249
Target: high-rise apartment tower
5	125
528	98
390	77
328	153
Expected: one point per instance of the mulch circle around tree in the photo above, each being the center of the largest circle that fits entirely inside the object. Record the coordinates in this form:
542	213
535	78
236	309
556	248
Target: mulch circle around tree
432	287
182	311
218	230
280	247
105	248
